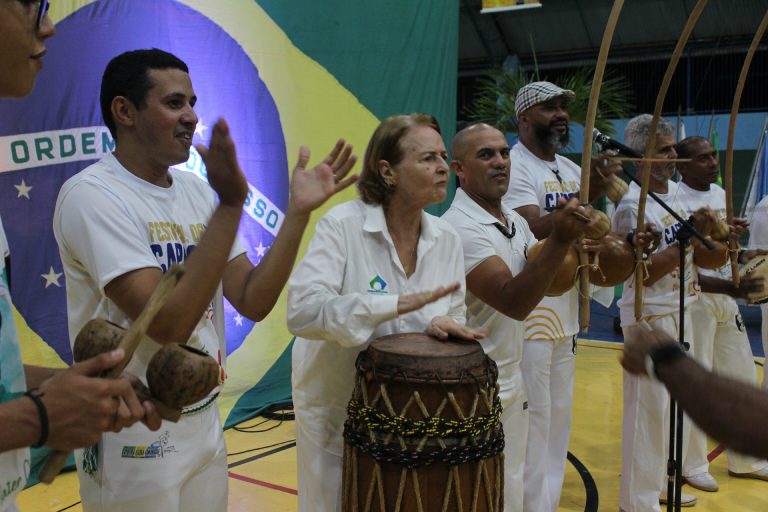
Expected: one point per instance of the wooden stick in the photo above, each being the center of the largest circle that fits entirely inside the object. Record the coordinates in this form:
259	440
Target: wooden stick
733	242
133	336
651	147
637	159
586	152
129	342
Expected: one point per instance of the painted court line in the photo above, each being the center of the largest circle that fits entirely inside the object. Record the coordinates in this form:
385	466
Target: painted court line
290	444
715	453
262	483
605	345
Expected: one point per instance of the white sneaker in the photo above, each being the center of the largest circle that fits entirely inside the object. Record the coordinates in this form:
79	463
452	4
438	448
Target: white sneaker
702	482
760	474
686	500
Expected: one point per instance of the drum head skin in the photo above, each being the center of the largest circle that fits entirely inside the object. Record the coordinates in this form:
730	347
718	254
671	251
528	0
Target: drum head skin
417	354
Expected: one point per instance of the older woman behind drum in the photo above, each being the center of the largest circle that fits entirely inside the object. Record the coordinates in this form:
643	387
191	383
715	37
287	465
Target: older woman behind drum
376	266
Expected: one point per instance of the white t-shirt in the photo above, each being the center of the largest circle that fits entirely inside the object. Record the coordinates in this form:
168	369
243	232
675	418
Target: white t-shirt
14	464
661	298
758	225
344	294
108	222
532	181
714	198
481	239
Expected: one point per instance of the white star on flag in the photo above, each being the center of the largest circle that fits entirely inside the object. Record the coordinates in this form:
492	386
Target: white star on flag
23	189
260	250
239	320
200	128
51	277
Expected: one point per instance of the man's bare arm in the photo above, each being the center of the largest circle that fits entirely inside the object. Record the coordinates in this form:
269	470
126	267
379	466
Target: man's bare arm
516	296
79	406
730	411
253	291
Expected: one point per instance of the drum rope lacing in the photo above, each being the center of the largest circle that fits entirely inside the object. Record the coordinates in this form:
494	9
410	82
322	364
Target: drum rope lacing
366	426
369	418
389	445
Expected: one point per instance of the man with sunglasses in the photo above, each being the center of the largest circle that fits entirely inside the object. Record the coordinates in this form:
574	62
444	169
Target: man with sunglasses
62	409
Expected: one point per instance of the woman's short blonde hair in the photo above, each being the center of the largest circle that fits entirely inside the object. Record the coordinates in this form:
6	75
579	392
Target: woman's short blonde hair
385	145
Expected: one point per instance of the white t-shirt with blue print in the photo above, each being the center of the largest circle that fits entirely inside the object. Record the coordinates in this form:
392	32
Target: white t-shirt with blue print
15	464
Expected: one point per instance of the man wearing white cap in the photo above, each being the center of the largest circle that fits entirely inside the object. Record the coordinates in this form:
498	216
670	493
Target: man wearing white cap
539	177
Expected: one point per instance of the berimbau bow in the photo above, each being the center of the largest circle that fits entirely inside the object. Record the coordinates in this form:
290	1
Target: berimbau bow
651	148
586	152
733	241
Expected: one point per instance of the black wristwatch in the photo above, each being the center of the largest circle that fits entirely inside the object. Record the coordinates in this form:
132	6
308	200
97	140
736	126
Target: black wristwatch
666	353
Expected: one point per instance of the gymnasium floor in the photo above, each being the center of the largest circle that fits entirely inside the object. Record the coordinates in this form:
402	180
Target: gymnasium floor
262	461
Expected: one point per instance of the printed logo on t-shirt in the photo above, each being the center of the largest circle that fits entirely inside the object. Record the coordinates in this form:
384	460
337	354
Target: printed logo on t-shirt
671	232
171	243
377	285
671	226
551	198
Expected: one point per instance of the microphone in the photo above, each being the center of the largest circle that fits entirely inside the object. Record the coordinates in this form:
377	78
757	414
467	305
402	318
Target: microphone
605	142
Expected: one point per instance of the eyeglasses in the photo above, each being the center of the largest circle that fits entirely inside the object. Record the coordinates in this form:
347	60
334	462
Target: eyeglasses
42	8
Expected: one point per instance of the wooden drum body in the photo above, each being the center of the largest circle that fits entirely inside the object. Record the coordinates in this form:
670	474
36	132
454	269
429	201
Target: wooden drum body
423	431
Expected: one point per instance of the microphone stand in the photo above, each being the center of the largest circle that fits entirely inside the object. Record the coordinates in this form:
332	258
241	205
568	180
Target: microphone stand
683	236
675	461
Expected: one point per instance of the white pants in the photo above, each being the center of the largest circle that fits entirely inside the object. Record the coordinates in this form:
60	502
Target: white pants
180	468
645	433
721	344
548	369
514	419
319	475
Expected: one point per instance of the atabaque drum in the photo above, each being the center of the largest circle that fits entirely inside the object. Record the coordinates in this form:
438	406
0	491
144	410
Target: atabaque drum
423	430
757	267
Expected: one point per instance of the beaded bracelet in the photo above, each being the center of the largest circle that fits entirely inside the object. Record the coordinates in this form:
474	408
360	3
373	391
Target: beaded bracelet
43	413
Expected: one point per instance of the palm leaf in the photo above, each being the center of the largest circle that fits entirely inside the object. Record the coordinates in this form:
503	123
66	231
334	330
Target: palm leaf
494	103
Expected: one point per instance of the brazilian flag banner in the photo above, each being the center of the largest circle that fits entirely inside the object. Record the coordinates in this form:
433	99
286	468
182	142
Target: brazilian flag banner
283	74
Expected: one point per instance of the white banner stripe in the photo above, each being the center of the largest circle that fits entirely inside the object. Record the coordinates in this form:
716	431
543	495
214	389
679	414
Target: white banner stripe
30	150
258	206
